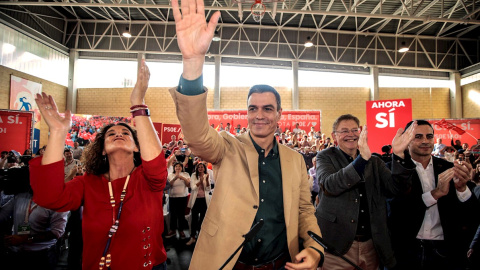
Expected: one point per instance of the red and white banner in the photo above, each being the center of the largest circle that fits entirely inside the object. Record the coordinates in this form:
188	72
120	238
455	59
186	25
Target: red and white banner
305	119
171	129
384	118
15	130
465	130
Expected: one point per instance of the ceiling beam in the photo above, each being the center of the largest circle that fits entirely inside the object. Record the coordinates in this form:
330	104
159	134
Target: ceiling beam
289	11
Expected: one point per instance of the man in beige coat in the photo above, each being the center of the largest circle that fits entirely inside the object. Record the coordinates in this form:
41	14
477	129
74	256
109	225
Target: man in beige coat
256	178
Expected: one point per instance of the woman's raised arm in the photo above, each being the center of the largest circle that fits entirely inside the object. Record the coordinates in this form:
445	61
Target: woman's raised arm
58	126
150	146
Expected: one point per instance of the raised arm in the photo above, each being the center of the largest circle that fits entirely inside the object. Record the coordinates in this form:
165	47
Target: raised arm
150	146
194	35
57	125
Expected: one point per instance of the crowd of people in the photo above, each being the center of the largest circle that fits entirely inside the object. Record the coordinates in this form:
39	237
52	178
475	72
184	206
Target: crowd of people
257	197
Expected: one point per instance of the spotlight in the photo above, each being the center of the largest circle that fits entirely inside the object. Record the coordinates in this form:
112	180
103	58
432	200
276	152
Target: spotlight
216	36
127	33
403	48
308	42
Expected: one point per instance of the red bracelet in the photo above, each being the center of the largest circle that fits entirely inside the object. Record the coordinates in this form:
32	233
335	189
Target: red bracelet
139	106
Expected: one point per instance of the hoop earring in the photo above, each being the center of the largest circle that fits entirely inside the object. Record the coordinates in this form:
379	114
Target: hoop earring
105	158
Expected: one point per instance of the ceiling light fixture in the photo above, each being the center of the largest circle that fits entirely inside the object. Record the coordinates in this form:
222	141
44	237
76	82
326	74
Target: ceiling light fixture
216	36
403	48
127	33
308	42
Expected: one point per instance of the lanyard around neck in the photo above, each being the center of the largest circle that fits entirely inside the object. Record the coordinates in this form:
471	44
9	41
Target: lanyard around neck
106	258
29	210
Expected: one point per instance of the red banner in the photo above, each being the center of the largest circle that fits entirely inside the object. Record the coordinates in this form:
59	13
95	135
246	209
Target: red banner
15	130
465	130
305	119
171	129
384	118
158	130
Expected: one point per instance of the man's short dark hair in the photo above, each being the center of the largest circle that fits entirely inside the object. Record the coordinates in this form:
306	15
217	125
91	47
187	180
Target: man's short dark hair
419	123
263	88
67	150
344	118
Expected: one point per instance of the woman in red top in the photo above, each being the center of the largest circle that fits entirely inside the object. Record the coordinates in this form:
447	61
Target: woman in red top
121	195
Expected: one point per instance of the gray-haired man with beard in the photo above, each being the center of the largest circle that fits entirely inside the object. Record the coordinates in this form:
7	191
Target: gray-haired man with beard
352	211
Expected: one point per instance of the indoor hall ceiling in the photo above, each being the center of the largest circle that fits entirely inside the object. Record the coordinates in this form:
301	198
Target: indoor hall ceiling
348	35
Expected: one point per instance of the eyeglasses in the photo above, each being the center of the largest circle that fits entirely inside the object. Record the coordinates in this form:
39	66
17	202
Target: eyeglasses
346	131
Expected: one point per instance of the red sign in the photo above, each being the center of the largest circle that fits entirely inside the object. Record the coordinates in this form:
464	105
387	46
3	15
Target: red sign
465	130
305	119
158	130
384	118
15	130
171	129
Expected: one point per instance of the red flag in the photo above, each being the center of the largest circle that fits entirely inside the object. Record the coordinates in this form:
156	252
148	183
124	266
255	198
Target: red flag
449	126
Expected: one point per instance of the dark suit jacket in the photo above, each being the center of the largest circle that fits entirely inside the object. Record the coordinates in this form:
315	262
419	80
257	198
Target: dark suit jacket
339	206
476	241
459	220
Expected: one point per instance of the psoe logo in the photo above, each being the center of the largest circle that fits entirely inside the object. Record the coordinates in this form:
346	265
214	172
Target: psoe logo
171	129
386	119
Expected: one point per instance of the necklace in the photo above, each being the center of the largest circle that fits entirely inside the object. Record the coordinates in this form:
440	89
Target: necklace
106	259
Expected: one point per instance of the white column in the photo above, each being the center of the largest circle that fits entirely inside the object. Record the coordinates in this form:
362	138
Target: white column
295	103
374	90
72	85
216	90
456	103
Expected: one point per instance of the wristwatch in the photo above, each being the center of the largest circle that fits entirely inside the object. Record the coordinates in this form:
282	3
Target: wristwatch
142	112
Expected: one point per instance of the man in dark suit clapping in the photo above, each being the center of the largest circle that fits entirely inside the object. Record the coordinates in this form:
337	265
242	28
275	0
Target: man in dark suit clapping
434	220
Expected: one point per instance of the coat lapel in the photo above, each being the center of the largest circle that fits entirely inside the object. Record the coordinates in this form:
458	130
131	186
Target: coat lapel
286	162
340	157
252	160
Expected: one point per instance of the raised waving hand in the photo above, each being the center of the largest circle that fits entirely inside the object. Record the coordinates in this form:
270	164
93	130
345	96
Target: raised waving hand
194	35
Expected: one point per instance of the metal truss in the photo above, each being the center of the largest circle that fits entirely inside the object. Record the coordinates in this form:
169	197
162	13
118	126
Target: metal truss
442	34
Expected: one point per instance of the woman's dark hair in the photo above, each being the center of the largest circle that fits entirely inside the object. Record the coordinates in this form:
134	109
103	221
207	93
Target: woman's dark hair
178	163
204	168
94	160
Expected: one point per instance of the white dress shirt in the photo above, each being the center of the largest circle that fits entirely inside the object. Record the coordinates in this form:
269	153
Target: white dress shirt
431	227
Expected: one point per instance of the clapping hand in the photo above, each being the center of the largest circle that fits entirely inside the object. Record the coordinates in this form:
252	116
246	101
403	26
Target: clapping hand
363	144
462	174
402	139
143	76
443	184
